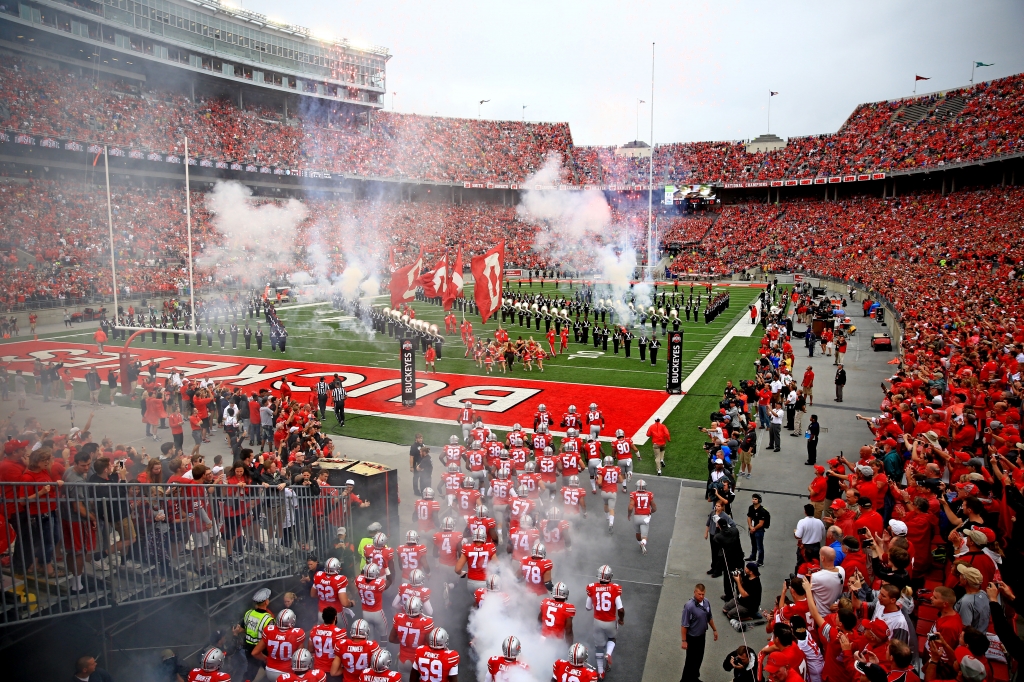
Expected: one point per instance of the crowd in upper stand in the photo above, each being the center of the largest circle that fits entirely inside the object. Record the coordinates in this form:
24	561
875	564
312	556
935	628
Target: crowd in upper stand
968	124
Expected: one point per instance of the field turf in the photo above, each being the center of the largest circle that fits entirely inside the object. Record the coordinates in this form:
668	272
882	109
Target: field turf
321	334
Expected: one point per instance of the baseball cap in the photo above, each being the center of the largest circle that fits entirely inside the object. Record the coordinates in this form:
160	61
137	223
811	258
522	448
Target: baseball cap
819	469
878	627
967	488
775	662
872	671
13	445
977	536
350	482
962	456
897	527
718	460
838	503
890	442
865	471
833	462
970	574
972	669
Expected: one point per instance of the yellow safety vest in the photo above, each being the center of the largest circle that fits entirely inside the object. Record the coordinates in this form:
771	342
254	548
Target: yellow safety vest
254	621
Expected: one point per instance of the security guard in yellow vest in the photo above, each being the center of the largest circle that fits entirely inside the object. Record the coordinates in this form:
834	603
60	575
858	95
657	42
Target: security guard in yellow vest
371	530
252	624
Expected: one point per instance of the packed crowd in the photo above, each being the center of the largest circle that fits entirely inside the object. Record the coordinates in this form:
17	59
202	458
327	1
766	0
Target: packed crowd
58	247
967	124
908	556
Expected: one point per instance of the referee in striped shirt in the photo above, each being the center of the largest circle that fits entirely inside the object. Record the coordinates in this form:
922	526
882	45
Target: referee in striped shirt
322	391
338	395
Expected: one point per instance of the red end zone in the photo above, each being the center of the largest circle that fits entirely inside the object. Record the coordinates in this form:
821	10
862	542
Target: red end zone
501	400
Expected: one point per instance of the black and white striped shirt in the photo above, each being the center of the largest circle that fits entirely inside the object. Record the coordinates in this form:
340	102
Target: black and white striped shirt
338	394
322	388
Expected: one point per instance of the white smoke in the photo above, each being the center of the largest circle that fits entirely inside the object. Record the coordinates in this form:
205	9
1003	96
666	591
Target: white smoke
577	230
494	621
256	241
568	221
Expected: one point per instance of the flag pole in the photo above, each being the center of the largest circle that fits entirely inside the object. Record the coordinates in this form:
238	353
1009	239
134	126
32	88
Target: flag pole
973	65
769	111
188	222
650	177
110	231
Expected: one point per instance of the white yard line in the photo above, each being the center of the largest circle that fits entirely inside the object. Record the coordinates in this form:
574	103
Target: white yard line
740	328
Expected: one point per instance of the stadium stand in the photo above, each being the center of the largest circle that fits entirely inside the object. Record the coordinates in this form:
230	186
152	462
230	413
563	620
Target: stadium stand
968	124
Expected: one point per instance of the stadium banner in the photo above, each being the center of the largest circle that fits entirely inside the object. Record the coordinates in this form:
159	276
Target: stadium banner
408	365
503	401
674	372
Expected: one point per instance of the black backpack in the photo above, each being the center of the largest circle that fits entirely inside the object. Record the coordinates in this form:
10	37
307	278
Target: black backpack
767	519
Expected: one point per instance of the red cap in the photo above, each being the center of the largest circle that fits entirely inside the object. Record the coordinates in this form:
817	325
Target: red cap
833	462
838	503
962	456
890	442
775	662
12	446
818	468
927	410
877	627
989	533
967	488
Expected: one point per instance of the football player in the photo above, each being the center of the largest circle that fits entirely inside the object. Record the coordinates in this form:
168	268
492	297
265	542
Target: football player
592	450
371	593
413	555
446	542
476	555
571	420
379	669
280	640
209	668
641	506
410	628
608	477
435	662
531	481
493	589
515	438
476	460
414	588
574	667
379	553
482	519
535	570
303	669
500	668
424	512
330	587
479	431
541	439
453	453
325	639
518	454
541	417
554	531
571	442
595	421
467	415
624	451
604	598
574	499
452	480
556	614
467	497
354	655
522	539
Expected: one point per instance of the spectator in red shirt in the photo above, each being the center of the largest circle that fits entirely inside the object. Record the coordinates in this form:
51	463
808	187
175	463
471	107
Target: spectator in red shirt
660	436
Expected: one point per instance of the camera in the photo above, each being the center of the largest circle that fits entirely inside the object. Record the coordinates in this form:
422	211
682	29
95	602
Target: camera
793	578
737	572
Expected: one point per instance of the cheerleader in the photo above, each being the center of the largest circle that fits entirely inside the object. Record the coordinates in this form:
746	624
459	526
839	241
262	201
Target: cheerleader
541	354
489	359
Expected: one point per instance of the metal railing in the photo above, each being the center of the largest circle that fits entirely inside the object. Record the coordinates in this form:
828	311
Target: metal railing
75	547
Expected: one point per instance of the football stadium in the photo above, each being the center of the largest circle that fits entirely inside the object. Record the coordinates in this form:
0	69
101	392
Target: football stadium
300	382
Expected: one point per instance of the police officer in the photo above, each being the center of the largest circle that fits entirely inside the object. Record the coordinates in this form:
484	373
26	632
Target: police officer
252	624
322	390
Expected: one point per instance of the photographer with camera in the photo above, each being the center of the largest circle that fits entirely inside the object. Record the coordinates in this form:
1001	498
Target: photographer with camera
746	600
742	663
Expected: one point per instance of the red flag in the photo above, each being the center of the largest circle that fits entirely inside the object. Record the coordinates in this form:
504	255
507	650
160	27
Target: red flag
488	274
454	287
404	282
435	282
921	78
391	260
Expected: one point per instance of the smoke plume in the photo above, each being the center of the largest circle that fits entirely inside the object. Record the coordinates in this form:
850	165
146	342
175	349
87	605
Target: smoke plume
254	241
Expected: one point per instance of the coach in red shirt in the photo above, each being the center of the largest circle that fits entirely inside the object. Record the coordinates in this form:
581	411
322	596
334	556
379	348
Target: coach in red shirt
659	435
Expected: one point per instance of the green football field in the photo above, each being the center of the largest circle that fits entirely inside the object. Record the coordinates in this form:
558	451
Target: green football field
319	333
